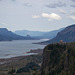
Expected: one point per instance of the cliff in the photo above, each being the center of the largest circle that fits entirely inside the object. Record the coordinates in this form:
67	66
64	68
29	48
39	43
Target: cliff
59	59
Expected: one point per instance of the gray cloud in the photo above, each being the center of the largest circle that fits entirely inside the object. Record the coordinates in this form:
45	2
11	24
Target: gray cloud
73	0
13	0
62	11
72	12
55	5
73	5
27	5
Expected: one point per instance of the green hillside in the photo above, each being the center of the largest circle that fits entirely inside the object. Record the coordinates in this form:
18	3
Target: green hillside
59	59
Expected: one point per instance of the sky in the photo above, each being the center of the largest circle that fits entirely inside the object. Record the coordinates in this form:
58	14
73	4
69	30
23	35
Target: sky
36	15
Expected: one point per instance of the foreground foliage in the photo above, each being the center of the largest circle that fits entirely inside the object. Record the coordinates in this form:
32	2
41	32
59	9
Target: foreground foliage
59	59
24	65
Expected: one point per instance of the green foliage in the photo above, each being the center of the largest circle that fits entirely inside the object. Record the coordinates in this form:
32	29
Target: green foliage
28	67
61	59
42	72
20	62
12	71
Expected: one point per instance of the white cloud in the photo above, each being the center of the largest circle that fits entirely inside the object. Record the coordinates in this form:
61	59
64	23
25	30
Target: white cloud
52	16
13	24
72	17
72	12
4	24
62	11
35	16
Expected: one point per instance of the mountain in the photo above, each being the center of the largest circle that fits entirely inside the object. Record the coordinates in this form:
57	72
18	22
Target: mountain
39	34
31	33
58	59
6	35
66	35
51	34
3	38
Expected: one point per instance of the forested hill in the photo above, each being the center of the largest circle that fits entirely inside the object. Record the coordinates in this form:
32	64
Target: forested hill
59	59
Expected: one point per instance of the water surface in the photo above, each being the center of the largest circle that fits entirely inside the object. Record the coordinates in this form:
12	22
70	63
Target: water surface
18	47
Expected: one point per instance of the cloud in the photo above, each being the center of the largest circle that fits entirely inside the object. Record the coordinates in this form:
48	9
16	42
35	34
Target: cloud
35	16
27	5
13	24
73	5
73	0
62	11
55	5
51	16
13	0
72	12
4	24
72	17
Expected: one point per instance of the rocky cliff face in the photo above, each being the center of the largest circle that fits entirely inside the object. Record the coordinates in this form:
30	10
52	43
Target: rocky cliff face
59	59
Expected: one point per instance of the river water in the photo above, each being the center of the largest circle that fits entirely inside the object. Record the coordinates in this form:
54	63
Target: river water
18	47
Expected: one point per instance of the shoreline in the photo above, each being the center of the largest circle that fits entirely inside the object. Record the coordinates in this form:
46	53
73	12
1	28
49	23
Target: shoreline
15	58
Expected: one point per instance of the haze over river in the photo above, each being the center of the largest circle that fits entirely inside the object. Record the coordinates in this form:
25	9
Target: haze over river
18	47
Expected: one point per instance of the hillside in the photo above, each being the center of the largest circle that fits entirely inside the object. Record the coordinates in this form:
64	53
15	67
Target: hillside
31	33
20	65
59	59
52	34
6	35
67	35
39	34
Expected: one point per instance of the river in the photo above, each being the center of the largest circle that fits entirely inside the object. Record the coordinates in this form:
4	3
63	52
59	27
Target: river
18	47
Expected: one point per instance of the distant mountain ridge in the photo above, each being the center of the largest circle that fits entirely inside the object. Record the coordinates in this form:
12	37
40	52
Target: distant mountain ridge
67	35
6	35
52	34
31	33
39	34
